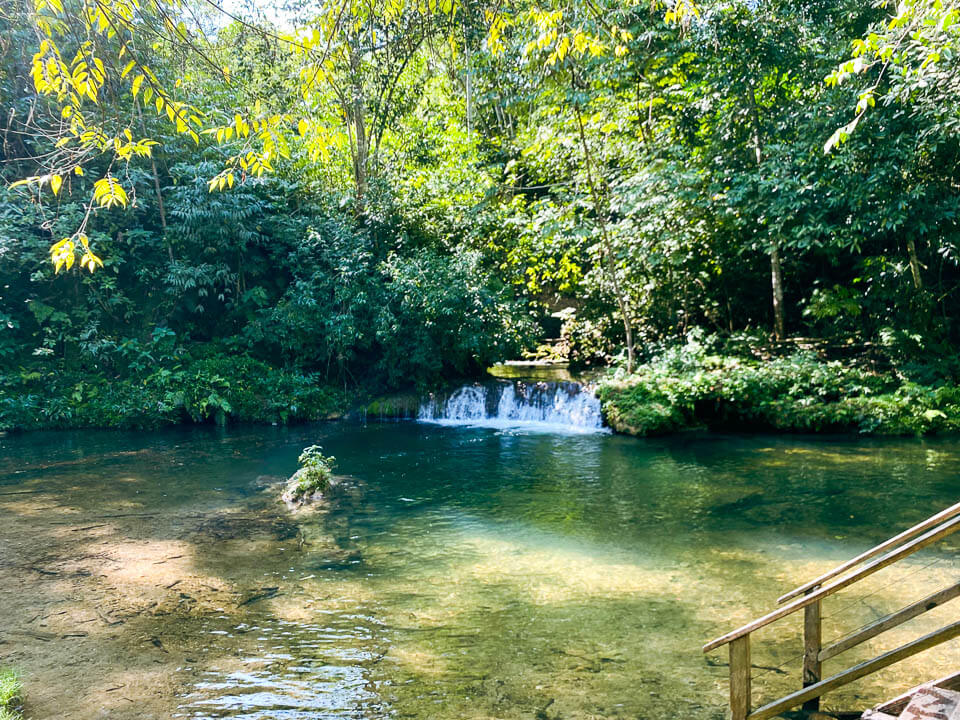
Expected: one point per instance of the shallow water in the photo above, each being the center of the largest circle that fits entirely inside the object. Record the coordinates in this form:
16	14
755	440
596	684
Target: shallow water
462	573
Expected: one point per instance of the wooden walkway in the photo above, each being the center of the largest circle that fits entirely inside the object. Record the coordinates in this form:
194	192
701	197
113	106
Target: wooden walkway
932	701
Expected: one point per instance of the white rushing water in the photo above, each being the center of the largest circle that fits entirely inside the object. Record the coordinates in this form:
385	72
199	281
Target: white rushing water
548	406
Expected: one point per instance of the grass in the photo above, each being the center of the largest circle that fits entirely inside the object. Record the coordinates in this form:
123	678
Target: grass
11	694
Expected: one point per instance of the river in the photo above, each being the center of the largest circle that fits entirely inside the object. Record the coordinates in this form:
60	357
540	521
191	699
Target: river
461	572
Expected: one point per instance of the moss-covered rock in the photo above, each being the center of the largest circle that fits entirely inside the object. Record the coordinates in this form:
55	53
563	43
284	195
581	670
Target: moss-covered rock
306	485
312	480
399	406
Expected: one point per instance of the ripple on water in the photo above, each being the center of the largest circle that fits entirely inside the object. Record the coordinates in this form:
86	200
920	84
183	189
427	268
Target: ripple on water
285	670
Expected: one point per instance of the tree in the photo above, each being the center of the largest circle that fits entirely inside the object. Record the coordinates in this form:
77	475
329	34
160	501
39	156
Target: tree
575	50
95	63
911	57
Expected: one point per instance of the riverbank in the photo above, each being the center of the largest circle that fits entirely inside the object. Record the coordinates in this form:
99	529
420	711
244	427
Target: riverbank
217	389
689	388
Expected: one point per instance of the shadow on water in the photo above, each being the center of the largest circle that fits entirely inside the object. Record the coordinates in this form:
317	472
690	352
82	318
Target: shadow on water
461	573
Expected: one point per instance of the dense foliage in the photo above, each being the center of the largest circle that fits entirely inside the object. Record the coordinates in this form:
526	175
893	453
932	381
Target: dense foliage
208	389
696	386
228	216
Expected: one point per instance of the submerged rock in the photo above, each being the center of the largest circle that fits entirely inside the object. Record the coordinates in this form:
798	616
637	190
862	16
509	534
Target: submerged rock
266	483
223	527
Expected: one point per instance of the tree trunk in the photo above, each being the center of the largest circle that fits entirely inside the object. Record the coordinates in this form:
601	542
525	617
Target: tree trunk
609	264
914	263
621	300
156	187
361	156
776	281
776	274
356	110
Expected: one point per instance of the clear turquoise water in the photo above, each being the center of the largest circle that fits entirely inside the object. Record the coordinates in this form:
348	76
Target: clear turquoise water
483	574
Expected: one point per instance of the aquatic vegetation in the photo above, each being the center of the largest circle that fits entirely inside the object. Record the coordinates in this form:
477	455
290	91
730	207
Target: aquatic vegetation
11	694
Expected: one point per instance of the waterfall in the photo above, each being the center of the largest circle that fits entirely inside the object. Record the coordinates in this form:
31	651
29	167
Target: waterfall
554	406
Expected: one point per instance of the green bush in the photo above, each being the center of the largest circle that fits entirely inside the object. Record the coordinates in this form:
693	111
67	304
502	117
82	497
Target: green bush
314	475
690	386
213	389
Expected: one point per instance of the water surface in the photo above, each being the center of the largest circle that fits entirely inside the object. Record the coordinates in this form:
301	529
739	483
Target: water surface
463	572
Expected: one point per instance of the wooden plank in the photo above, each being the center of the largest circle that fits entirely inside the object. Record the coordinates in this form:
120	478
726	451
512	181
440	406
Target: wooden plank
889	621
932	703
896	705
933	520
876	715
913	546
812	637
950	682
740	678
856	672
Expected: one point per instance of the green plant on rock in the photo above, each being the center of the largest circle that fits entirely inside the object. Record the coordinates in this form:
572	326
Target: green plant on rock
314	475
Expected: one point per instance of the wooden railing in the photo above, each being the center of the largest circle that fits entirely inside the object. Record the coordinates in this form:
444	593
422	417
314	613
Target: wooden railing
808	597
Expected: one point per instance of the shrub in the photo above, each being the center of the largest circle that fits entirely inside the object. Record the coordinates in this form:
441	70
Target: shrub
689	386
212	389
314	475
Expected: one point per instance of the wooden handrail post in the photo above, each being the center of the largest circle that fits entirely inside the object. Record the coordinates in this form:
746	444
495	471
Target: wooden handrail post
740	677
857	671
812	640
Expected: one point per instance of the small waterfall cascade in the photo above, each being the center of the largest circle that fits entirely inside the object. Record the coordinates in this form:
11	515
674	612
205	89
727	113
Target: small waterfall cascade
553	406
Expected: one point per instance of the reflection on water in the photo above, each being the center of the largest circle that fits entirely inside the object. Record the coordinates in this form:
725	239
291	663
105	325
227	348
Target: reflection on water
468	573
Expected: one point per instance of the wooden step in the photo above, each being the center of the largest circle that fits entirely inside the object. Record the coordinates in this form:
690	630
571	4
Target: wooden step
896	708
933	703
877	715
